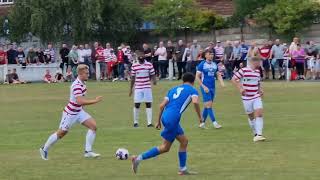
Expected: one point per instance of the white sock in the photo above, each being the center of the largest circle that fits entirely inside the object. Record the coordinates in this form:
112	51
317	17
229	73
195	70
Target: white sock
51	141
136	112
252	125
91	136
259	125
149	115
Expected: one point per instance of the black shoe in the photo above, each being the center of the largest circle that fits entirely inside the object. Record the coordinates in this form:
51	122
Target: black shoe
135	125
150	125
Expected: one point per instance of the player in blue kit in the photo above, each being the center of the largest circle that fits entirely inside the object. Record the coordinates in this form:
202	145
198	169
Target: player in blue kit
207	72
171	109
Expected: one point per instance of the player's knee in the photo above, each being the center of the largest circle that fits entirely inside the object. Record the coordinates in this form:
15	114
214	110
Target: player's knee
259	113
61	134
137	105
184	144
148	105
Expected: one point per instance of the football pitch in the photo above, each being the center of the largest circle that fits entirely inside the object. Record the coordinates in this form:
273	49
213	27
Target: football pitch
30	113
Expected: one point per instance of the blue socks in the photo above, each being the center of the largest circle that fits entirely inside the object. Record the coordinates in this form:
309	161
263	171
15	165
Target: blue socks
182	160
153	152
205	114
211	114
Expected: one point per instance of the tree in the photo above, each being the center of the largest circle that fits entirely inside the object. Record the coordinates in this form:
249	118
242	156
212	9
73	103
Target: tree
288	17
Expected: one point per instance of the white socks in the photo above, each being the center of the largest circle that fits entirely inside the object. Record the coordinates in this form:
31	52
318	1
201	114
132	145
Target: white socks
252	125
259	125
149	115
91	135
51	140
136	112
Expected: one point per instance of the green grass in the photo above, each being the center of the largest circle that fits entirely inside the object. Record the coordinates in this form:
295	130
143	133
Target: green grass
30	113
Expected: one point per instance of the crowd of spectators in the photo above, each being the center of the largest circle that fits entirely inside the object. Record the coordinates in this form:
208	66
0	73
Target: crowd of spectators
169	59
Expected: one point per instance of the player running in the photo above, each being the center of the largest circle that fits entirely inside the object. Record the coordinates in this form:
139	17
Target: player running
171	109
141	73
73	113
247	80
207	72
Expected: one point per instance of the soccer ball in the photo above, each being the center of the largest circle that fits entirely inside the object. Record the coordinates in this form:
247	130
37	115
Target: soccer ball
122	154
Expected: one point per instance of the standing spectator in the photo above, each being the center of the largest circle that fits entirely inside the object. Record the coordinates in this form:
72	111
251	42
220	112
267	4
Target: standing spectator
170	56
73	57
32	57
87	59
100	58
3	56
187	57
211	48
277	55
181	63
12	54
265	52
147	52
236	56
253	51
81	54
50	54
161	52
21	58
312	52
294	45
94	58
69	77
64	51
111	61
219	52
40	55
299	56
155	61
194	50
228	63
48	78
121	66
244	51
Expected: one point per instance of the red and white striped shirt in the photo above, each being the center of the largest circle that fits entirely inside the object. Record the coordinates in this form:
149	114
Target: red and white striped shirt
78	88
250	81
142	73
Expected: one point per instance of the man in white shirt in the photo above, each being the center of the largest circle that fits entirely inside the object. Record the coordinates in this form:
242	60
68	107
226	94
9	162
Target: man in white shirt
161	52
81	54
87	59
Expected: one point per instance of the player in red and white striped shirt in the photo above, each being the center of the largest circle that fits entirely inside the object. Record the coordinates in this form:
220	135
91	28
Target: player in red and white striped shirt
142	73
73	112
247	80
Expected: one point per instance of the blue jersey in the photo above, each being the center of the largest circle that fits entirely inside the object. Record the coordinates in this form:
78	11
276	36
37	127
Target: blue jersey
178	100
208	72
244	51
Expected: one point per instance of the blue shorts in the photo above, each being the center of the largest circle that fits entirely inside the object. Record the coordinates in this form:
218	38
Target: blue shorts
171	129
207	96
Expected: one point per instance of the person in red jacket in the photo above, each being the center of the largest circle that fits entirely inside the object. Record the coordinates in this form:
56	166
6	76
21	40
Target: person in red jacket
3	56
265	56
101	60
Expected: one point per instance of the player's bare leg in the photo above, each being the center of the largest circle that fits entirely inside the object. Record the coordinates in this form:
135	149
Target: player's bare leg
208	111
53	138
258	125
183	156
149	114
90	137
153	152
136	112
252	121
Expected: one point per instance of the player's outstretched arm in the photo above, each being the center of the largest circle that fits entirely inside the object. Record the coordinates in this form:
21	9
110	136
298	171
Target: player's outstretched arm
162	106
195	101
84	102
220	79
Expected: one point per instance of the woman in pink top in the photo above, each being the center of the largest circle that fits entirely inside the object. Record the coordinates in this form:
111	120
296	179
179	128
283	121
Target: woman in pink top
299	55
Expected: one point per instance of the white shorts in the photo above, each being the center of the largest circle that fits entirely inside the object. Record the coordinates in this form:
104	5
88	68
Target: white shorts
68	120
251	105
142	95
317	66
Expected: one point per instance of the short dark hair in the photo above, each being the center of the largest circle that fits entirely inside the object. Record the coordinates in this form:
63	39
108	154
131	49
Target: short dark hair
188	77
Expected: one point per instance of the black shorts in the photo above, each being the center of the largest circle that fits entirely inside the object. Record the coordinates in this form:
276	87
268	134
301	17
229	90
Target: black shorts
266	64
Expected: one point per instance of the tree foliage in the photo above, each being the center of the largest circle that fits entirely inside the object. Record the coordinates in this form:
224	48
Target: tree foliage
287	17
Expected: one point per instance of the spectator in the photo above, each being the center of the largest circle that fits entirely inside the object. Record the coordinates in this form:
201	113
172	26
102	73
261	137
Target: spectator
219	52
253	51
48	78
88	60
211	48
293	45
64	51
81	54
32	57
15	77
277	55
121	64
181	63
94	57
227	59
170	57
161	52
49	54
155	61
222	69
194	50
58	78
312	52
187	57
111	60
236	55
299	56
265	52
73	57
12	54
40	55
21	58
69	77
147	52
244	50
100	58
3	56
